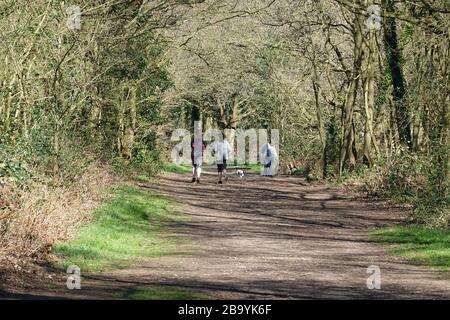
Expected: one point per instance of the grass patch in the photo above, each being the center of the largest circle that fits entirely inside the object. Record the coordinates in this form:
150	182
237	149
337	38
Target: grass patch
162	293
256	168
122	232
177	168
143	179
427	246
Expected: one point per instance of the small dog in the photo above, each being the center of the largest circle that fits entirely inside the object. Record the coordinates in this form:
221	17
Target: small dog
240	173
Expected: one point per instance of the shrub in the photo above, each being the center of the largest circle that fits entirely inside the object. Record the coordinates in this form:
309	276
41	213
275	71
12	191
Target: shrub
32	220
431	207
398	179
411	178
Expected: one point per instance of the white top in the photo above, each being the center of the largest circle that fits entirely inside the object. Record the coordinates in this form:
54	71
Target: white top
270	156
222	149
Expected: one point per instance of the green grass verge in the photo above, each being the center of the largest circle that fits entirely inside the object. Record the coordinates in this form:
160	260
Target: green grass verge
144	179
177	168
122	232
427	246
162	293
256	168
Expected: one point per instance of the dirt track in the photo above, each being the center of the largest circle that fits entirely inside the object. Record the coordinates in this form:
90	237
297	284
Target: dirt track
268	238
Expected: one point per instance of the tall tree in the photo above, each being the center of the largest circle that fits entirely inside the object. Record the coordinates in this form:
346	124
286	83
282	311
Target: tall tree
394	62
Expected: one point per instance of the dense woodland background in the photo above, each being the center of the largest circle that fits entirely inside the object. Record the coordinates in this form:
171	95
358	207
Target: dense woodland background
352	103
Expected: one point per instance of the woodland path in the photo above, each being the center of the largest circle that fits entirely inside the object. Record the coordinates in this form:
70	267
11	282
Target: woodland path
279	238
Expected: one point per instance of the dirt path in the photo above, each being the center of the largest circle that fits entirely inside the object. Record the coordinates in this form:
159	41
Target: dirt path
272	238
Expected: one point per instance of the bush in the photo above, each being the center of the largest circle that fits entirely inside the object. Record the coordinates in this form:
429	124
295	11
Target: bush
145	162
32	220
399	179
44	194
431	207
411	178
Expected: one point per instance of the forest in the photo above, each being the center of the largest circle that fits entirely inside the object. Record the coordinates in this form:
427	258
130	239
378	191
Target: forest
91	91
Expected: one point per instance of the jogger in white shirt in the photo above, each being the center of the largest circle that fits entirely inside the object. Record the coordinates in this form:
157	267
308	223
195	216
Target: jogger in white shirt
222	150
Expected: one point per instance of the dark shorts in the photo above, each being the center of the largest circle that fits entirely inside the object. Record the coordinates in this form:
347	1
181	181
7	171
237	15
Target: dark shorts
222	166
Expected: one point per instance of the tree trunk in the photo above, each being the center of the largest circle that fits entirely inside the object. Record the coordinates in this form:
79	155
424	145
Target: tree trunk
129	123
369	103
393	56
347	140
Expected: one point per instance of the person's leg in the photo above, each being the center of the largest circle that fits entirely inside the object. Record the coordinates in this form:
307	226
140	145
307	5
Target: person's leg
225	169
220	172
194	169
270	171
266	169
198	167
273	170
199	172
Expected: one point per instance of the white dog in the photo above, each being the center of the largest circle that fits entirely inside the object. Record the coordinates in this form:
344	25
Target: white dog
240	173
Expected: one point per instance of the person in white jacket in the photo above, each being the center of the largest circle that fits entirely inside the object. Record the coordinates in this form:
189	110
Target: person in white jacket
222	150
269	159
